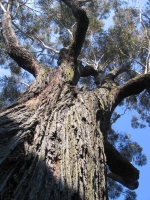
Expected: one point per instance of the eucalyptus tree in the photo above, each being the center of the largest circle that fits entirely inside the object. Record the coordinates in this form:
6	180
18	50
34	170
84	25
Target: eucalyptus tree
56	138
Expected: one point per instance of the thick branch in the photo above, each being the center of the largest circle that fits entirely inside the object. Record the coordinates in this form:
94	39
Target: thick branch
89	71
82	26
114	73
18	53
132	87
123	171
132	185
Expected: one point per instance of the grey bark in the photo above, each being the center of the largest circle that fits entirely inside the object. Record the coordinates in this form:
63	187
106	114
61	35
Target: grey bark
52	146
53	140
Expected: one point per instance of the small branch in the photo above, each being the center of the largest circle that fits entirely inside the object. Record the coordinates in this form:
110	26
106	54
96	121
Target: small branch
70	33
44	45
23	3
2	7
9	4
118	116
17	81
35	36
147	67
132	58
24	83
23	32
89	64
114	73
18	6
141	21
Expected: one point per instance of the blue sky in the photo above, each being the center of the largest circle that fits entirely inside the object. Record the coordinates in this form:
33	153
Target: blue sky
142	137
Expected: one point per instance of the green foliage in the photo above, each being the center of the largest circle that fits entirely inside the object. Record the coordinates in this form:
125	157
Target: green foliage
130	195
132	151
9	93
114	189
129	149
140	103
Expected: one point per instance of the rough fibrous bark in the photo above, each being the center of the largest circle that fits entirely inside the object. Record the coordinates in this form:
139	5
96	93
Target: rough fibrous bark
53	139
52	147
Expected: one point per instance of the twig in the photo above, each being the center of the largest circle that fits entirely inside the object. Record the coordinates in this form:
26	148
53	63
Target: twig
47	47
2	7
118	116
131	58
23	31
16	11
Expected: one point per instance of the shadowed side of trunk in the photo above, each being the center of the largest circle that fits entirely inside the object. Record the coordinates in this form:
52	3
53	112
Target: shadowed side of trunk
52	147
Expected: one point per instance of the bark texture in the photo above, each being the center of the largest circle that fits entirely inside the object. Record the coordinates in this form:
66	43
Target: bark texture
52	145
53	140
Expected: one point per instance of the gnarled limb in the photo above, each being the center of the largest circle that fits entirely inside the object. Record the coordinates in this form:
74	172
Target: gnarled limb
82	26
115	72
18	53
132	87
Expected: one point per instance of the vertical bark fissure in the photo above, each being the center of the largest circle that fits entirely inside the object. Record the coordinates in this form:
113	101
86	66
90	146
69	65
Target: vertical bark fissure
60	141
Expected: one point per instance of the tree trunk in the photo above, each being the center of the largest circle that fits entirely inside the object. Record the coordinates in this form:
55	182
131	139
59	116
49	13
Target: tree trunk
52	139
52	146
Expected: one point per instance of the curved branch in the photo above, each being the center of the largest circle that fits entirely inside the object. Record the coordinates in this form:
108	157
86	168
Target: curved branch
122	170
33	38
132	87
115	72
109	78
18	53
82	26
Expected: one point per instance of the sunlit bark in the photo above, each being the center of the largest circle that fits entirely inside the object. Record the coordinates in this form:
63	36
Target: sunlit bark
53	139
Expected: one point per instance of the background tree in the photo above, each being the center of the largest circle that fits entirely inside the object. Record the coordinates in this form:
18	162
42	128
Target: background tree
53	137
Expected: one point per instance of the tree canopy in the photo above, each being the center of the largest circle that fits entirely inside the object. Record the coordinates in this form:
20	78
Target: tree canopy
48	32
